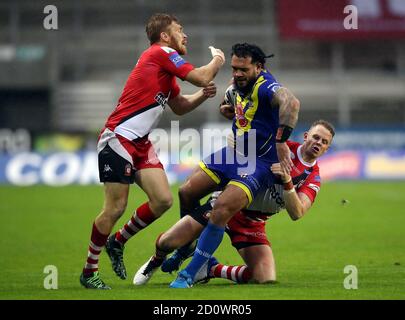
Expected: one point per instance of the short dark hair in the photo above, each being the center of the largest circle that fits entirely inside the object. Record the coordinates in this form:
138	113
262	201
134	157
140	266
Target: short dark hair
244	50
158	23
326	124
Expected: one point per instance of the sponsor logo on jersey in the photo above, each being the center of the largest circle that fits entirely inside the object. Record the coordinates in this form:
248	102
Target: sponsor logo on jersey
274	86
161	99
177	60
107	168
257	234
317	179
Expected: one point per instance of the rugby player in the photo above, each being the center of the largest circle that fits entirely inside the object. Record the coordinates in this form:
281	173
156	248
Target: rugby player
295	192
125	154
265	115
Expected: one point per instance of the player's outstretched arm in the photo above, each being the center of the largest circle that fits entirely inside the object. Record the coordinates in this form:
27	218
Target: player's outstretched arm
296	204
202	76
289	107
183	104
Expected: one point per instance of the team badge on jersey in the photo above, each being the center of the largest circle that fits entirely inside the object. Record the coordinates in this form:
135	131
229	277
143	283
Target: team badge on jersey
207	214
240	116
128	169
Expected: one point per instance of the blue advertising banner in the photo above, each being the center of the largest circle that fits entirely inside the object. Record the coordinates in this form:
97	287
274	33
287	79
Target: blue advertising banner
64	168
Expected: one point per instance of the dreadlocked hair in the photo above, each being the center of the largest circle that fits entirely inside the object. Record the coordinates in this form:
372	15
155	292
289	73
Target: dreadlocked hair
244	50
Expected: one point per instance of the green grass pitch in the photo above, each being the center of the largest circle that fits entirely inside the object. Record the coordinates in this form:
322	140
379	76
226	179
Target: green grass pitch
43	226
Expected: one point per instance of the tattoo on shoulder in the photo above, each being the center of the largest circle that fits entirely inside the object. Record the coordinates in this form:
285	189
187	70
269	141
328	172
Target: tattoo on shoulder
282	96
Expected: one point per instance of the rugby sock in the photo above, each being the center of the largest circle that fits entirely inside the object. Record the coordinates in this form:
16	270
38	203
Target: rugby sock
97	242
239	274
208	242
140	220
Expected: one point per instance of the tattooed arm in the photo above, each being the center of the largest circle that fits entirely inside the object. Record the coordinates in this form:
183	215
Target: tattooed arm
289	107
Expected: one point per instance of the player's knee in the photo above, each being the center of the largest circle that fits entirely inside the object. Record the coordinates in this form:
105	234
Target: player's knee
262	279
116	209
221	213
263	273
162	204
185	194
166	242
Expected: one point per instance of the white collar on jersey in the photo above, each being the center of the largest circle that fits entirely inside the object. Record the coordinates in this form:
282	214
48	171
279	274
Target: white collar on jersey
302	160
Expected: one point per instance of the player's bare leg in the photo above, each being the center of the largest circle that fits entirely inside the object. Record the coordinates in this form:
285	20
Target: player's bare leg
260	262
259	267
232	200
184	231
197	186
115	201
153	182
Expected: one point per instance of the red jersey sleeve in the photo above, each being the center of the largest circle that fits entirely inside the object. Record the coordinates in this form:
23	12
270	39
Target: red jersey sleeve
175	89
173	63
312	184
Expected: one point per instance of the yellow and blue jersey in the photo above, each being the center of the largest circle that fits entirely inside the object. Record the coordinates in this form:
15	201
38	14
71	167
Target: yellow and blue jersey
247	167
254	112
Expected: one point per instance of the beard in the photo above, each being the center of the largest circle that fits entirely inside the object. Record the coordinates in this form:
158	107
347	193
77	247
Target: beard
243	91
181	50
179	47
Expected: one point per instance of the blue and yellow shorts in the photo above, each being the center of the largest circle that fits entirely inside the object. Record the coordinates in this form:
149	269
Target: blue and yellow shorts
248	173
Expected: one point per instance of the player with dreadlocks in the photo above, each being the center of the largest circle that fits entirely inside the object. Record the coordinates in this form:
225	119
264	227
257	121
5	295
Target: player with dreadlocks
265	115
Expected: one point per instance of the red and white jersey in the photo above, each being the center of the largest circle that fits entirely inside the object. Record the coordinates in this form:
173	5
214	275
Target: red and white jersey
150	85
305	177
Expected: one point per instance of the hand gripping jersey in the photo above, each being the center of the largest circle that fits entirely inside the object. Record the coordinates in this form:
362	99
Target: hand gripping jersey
149	86
305	177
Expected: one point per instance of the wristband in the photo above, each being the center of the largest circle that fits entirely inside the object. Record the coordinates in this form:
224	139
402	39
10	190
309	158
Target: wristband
288	185
283	133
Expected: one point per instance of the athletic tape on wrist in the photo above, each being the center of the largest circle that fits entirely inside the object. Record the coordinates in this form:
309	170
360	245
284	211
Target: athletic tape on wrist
283	133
